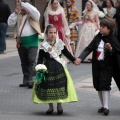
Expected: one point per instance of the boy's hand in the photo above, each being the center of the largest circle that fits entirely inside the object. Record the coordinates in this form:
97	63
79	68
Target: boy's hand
108	46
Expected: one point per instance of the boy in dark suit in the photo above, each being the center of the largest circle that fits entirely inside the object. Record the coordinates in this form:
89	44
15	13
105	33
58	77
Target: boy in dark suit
105	48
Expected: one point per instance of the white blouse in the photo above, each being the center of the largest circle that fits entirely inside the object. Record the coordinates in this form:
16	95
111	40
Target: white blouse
110	12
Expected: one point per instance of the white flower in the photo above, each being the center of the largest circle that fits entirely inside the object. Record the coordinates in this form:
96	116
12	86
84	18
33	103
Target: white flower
101	14
41	36
96	32
40	67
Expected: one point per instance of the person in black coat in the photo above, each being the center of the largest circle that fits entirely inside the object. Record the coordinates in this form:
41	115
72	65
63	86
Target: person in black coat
105	48
99	7
117	18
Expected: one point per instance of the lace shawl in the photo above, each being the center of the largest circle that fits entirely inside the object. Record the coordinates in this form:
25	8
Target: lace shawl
60	10
59	45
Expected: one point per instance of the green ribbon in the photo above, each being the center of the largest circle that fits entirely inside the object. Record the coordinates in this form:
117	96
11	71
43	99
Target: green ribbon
40	75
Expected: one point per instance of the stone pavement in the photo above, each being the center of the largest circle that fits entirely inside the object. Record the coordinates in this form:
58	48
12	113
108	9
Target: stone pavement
10	44
10	48
16	104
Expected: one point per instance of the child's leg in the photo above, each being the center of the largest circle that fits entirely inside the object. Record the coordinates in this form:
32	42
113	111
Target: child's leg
100	110
50	110
101	98
51	106
106	97
59	106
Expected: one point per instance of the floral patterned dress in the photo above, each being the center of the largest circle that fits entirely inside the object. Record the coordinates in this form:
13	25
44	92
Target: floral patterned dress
90	25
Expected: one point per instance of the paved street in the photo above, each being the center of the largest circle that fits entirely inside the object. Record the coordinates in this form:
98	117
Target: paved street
16	104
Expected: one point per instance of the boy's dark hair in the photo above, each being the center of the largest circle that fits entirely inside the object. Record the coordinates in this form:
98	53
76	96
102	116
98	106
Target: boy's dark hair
29	1
109	23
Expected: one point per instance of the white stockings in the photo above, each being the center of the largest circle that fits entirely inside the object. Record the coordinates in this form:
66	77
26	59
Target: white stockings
104	98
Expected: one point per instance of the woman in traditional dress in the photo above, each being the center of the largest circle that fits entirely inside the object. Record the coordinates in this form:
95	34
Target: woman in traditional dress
58	87
109	10
117	19
90	23
54	14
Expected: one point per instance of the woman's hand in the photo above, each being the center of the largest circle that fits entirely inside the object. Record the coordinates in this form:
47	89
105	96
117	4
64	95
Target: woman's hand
78	23
67	36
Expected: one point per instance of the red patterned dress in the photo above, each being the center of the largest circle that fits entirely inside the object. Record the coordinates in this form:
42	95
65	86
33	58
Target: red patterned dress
58	19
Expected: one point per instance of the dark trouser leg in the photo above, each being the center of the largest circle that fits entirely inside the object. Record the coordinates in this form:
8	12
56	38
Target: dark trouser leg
24	64
105	79
96	75
32	53
102	76
3	30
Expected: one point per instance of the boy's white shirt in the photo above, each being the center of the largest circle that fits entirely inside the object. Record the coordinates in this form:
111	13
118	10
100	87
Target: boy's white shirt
101	50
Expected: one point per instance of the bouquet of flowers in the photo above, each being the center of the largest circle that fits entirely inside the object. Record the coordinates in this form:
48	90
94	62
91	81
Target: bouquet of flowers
41	70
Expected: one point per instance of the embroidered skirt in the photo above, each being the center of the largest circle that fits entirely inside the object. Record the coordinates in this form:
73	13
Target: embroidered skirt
57	88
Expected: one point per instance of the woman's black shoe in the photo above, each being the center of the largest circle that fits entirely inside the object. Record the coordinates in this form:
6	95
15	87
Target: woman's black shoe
106	111
100	110
49	112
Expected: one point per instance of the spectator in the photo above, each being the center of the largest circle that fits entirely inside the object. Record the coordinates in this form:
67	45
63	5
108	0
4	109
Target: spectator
99	7
54	14
117	19
109	10
4	14
72	16
90	23
28	16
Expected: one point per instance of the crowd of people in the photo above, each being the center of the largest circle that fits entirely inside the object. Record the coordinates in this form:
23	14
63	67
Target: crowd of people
97	41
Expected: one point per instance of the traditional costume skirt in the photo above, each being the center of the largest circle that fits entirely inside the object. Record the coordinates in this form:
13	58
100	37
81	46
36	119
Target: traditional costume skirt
58	87
86	35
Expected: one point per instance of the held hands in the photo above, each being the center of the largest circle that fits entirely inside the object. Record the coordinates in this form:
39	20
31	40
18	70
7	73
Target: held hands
108	46
77	61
